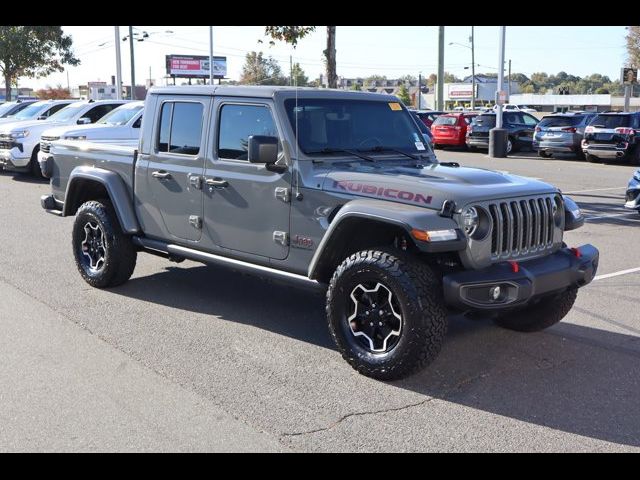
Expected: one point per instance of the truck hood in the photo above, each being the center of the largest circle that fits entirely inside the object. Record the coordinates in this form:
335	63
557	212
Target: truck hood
90	131
27	125
431	185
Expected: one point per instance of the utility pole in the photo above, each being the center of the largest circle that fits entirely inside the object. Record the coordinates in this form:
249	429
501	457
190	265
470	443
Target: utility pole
210	55
118	65
133	67
498	135
440	68
68	85
627	97
418	94
473	73
509	85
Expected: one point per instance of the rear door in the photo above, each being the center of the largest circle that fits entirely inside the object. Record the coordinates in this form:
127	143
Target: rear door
176	161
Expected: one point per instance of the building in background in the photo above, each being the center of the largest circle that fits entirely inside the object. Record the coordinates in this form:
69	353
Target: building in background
22	93
562	103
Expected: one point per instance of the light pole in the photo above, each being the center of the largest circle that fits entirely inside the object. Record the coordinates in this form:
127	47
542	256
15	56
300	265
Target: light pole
473	68
440	86
118	65
498	136
142	36
210	55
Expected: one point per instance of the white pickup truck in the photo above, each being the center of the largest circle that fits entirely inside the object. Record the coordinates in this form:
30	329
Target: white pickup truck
121	126
20	141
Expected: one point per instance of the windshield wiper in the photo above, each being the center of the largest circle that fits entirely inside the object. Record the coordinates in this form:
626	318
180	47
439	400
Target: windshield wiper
341	150
380	148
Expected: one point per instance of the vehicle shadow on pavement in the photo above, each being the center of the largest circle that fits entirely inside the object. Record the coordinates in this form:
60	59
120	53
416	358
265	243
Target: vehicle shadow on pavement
27	178
570	378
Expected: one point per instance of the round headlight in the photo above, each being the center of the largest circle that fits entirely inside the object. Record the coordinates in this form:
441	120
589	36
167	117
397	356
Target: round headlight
470	220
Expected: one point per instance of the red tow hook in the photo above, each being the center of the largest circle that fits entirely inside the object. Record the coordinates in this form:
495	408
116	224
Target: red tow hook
515	268
576	252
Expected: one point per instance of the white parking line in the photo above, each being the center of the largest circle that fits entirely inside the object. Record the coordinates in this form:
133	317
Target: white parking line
595	190
633	216
615	274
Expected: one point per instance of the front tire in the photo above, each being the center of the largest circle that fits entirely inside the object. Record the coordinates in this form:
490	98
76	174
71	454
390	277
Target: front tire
104	255
547	312
386	313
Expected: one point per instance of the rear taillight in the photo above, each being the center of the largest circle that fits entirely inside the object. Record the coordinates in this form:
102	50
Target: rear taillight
625	131
569	129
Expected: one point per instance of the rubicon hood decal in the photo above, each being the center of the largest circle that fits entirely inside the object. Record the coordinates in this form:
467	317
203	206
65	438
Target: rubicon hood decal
385	192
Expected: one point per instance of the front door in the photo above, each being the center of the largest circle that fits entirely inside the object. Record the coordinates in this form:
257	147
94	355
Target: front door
246	206
174	173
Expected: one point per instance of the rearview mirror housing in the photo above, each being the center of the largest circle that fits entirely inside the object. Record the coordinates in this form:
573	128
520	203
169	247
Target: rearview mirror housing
263	149
84	121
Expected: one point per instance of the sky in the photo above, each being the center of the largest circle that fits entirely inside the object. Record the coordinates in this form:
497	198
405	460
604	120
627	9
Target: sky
361	51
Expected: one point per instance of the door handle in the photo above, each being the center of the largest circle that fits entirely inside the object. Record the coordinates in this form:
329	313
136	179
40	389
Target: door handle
161	175
216	182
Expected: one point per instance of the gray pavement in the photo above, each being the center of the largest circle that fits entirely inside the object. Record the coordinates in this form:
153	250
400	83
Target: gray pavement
190	357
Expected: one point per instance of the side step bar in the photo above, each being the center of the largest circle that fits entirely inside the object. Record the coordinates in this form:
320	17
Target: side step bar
168	249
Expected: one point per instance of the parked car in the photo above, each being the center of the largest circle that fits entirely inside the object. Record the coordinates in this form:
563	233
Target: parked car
521	127
9	109
561	133
121	126
325	189
429	116
20	141
41	110
524	108
613	136
507	107
632	197
451	129
426	131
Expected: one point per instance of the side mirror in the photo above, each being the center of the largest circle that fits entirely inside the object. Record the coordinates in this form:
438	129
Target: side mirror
573	217
42	117
263	149
84	121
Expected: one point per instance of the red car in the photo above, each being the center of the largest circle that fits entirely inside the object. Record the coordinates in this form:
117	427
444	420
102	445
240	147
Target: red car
451	129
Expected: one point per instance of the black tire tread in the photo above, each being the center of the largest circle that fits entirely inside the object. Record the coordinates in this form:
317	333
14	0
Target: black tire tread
423	287
124	254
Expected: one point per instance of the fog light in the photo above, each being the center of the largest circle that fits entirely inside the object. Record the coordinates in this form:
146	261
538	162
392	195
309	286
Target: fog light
494	292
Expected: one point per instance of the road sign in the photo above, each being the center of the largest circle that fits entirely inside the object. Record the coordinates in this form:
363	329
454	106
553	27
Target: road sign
501	97
629	75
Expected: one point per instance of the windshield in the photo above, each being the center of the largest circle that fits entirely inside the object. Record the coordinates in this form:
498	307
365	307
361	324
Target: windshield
120	116
6	108
30	112
339	124
67	113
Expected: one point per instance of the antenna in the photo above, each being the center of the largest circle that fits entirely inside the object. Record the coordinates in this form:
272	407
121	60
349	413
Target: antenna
297	166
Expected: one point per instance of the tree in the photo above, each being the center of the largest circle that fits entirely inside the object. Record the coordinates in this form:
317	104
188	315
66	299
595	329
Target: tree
403	95
292	34
33	51
370	80
49	93
258	70
451	78
633	45
299	78
408	79
432	79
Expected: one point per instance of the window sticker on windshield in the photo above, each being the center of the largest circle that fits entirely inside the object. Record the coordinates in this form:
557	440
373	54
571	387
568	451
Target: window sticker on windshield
420	146
416	138
395	106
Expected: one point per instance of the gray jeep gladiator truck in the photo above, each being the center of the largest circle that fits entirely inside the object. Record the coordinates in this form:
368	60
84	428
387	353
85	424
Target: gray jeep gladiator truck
324	188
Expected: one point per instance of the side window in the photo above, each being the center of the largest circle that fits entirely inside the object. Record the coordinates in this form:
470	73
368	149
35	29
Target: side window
635	123
511	118
137	123
54	109
237	123
529	120
180	128
96	113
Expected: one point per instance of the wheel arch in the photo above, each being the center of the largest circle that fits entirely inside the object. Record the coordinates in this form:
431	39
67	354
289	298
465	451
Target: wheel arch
89	183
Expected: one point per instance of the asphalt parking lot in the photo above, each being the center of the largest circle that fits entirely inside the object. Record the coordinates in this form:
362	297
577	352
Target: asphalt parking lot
189	357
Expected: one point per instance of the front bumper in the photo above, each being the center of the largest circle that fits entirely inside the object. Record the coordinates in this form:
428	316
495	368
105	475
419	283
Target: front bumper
474	289
14	159
45	160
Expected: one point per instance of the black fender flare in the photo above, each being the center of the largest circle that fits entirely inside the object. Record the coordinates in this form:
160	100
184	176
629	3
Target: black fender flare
116	189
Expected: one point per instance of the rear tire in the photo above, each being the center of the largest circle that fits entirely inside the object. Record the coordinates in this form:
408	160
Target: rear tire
592	158
547	312
544	154
104	255
399	341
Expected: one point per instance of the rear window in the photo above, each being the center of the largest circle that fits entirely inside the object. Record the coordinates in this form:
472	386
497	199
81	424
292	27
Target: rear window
446	120
485	120
611	121
561	121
